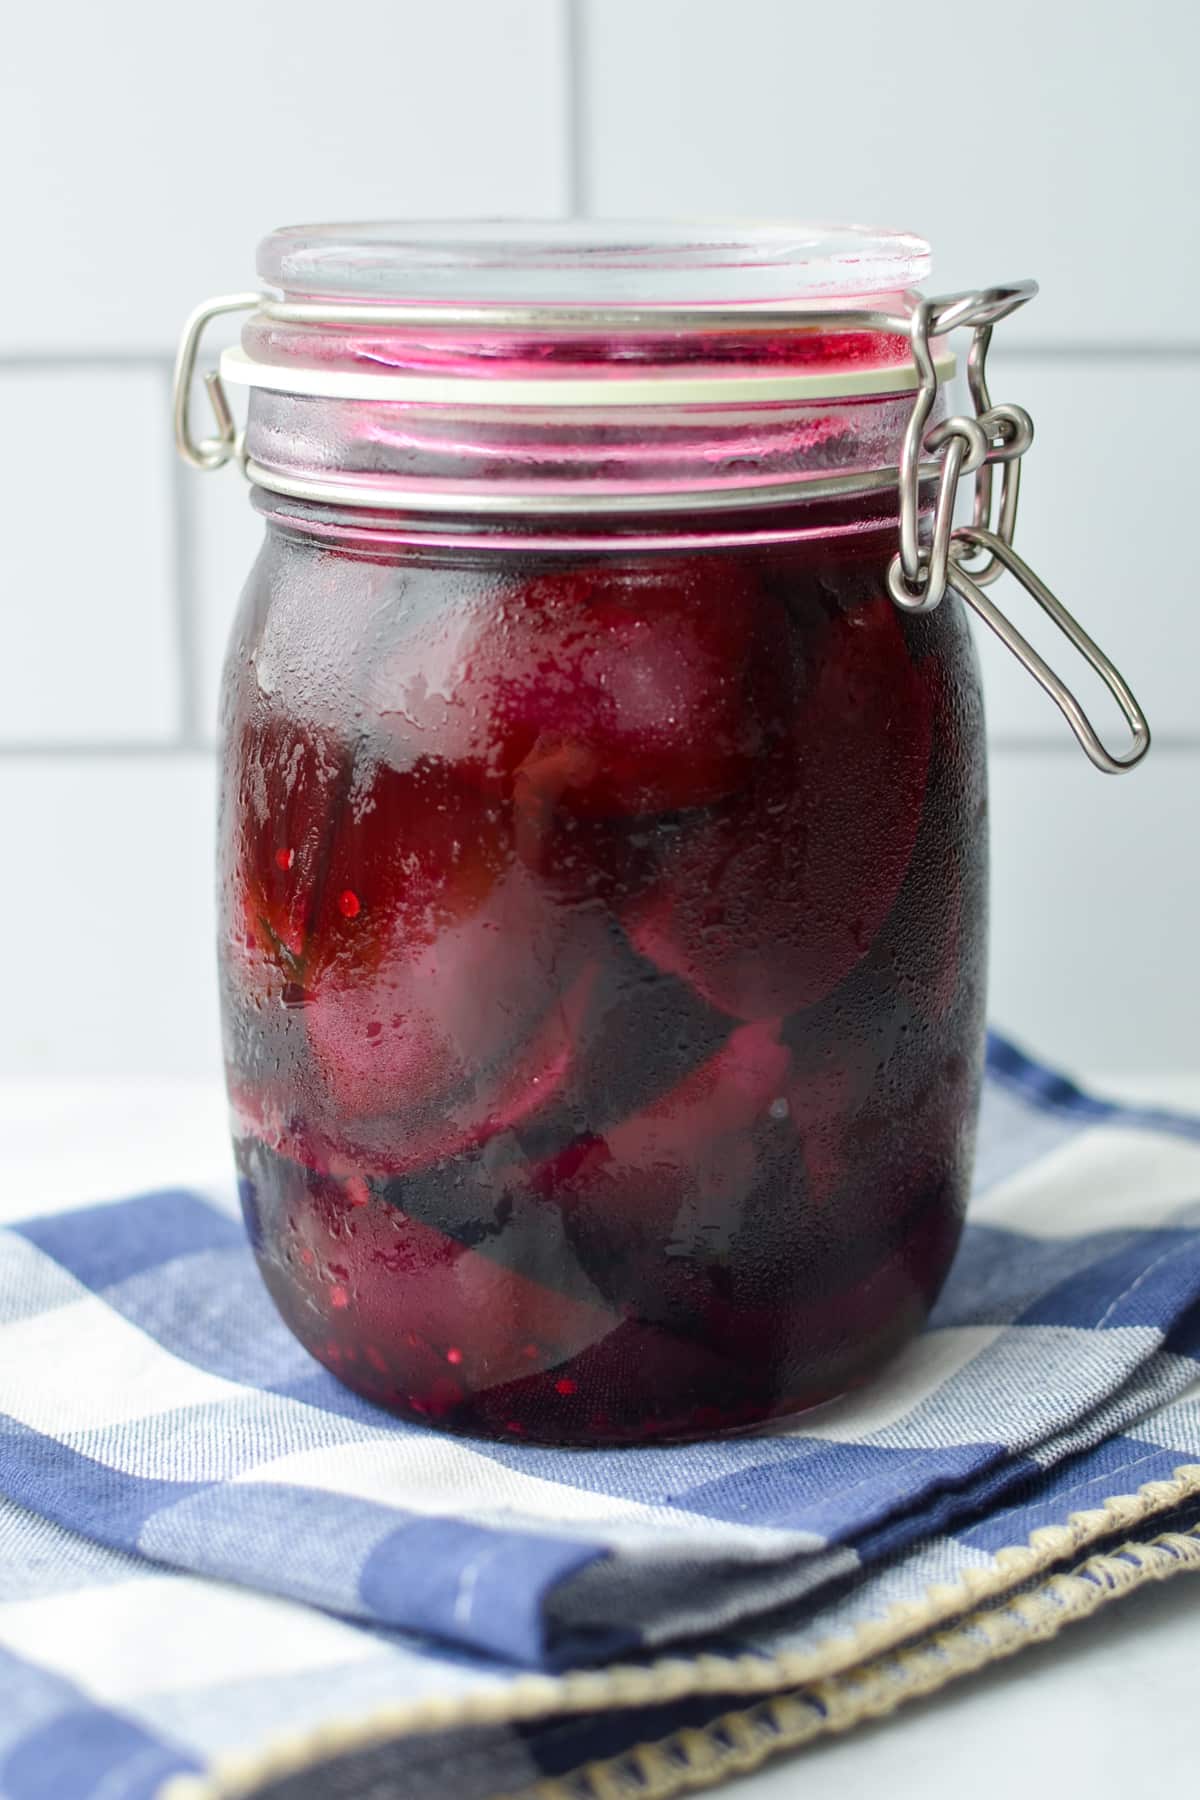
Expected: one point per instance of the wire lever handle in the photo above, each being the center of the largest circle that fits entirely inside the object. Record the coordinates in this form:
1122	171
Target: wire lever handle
970	591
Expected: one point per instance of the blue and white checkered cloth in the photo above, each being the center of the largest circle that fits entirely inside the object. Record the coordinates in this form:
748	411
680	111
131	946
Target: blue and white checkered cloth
207	1545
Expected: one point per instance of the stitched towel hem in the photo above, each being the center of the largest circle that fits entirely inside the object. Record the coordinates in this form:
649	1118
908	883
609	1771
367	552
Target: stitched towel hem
847	1680
742	1741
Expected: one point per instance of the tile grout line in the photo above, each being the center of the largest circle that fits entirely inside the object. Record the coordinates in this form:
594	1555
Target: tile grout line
1104	350
89	750
575	49
1176	743
119	361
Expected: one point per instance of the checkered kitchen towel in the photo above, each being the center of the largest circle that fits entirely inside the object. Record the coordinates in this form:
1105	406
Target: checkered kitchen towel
222	1574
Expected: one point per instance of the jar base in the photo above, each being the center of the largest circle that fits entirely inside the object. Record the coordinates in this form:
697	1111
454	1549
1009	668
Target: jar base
552	1410
449	1334
770	1420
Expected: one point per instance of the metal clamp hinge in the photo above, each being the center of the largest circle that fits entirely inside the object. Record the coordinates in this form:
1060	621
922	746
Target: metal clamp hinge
209	452
920	575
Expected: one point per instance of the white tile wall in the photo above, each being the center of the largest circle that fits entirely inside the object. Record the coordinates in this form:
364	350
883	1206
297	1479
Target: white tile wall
1106	489
148	160
1047	137
87	566
106	915
1094	953
159	143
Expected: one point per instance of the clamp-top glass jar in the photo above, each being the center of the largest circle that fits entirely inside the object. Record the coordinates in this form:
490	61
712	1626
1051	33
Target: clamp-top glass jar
602	846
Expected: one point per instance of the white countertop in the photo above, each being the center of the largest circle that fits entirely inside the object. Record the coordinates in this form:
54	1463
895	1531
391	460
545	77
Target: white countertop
1106	1711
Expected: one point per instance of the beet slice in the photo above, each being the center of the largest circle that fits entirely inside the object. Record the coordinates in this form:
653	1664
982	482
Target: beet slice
612	688
770	901
724	1097
284	786
652	1203
393	1305
419	1115
444	982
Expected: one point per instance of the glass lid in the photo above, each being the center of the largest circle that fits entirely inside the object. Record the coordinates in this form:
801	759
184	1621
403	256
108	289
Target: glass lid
592	263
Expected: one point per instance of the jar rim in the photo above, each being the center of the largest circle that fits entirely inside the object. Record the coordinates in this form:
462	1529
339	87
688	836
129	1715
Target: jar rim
606	263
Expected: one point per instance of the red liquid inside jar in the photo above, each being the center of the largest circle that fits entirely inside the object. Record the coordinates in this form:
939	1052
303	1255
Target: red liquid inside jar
602	954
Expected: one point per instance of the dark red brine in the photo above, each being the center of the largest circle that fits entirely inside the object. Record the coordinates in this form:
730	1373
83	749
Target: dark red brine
602	927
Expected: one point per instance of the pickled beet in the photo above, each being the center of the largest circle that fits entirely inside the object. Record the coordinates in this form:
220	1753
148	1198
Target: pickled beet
602	971
607	688
811	856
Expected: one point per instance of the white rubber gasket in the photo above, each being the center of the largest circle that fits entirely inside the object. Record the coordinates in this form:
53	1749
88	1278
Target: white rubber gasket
615	393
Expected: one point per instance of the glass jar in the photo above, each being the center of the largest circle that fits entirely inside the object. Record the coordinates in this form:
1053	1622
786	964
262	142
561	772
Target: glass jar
603	826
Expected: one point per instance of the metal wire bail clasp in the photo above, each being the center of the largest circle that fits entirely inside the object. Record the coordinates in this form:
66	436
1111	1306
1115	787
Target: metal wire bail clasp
209	452
1006	557
919	576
